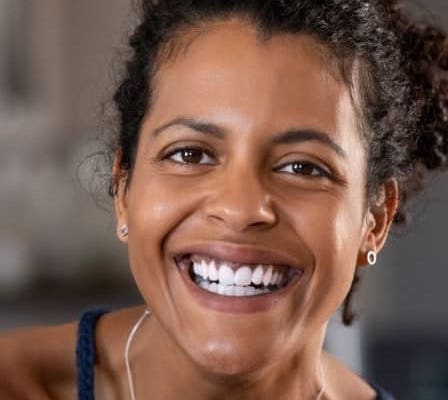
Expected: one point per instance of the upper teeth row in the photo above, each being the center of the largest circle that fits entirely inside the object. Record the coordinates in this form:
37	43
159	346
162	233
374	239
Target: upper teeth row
243	276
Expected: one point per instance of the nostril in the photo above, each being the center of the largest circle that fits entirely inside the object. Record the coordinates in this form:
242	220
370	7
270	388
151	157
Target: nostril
259	224
241	210
240	222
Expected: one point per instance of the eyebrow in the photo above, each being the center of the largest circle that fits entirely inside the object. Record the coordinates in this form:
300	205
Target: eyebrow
287	137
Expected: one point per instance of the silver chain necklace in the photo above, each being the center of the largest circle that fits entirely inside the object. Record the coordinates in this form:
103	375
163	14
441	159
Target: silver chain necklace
134	330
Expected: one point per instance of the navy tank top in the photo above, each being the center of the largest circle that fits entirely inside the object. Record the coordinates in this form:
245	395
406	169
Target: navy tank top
85	358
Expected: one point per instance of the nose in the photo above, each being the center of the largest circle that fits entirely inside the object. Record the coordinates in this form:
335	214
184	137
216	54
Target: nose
240	202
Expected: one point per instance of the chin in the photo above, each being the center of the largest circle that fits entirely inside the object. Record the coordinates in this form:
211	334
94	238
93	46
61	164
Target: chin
227	360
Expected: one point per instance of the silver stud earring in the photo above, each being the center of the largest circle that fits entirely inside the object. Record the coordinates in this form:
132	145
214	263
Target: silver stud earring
371	257
124	230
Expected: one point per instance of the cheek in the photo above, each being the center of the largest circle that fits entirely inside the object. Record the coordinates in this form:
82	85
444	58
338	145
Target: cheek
157	204
339	251
330	227
156	207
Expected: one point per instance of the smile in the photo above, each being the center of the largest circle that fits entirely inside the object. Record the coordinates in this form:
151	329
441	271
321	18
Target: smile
238	278
227	278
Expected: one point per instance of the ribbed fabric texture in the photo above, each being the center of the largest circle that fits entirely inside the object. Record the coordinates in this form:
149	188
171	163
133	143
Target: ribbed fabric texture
85	354
381	393
85	358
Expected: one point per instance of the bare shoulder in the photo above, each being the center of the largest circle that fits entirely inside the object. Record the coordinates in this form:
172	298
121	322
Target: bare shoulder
345	384
38	363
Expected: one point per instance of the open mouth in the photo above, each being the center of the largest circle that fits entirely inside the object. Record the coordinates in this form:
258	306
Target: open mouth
228	278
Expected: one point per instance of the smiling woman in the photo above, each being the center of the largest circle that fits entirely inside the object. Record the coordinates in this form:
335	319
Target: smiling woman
265	150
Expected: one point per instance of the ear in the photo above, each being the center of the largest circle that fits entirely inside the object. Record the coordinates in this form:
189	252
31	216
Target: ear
120	179
378	220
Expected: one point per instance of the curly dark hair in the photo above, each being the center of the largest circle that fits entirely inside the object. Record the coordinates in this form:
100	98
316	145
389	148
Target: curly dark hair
394	67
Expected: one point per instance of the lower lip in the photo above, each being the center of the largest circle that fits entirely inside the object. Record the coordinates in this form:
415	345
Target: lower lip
234	304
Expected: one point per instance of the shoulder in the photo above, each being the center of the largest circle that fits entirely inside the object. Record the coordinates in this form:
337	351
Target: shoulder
38	363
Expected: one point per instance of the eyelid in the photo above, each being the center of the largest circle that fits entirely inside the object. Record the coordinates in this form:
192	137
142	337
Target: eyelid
168	154
324	171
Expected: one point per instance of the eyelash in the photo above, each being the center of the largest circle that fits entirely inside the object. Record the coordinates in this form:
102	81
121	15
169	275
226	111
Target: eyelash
182	149
321	172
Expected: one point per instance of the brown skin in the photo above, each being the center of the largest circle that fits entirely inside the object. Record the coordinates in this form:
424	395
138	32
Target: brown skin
241	190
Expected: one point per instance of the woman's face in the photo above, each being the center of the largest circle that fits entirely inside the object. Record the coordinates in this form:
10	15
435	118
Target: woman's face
249	156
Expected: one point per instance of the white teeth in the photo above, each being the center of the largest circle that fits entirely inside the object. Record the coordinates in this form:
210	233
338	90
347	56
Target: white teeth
204	269
224	280
212	271
226	275
221	289
267	276
243	276
240	290
229	290
280	278
251	291
196	269
257	275
213	287
274	278
237	291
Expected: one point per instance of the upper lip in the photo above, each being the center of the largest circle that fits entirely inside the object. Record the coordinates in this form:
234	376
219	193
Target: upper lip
240	254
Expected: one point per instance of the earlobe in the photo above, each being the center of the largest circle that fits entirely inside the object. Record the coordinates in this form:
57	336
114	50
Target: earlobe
123	233
378	221
120	199
368	239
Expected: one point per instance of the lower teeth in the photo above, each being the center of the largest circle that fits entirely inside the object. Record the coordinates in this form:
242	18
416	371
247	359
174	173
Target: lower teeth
230	290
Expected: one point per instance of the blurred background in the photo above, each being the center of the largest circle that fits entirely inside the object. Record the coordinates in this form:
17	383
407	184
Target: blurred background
59	256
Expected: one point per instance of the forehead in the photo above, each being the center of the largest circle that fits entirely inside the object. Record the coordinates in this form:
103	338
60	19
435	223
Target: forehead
229	74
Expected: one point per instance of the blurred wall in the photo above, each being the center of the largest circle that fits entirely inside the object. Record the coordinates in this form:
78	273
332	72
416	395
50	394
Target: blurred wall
56	73
59	255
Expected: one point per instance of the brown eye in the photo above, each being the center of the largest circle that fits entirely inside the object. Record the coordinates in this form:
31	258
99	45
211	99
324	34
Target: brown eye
304	168
190	156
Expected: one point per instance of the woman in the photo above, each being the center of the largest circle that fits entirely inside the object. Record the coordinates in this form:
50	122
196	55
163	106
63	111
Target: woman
265	150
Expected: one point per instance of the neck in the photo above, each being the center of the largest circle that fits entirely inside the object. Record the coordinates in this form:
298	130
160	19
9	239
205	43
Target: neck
163	370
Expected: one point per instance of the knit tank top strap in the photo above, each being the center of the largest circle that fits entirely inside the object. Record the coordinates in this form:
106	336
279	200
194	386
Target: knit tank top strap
382	394
85	354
